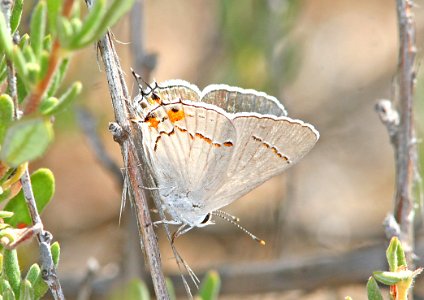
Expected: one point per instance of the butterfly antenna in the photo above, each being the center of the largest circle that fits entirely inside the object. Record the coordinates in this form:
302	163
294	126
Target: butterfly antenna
233	220
138	78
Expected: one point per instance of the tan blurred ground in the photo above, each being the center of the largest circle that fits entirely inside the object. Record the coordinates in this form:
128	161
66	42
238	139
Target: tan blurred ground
338	195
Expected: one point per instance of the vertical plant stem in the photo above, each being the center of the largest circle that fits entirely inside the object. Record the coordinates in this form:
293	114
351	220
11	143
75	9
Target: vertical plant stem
6	8
44	238
120	96
406	152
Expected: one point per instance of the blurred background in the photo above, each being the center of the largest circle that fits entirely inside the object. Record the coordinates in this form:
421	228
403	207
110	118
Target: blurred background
327	61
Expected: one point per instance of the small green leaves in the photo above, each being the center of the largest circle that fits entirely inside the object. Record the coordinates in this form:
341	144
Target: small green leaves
399	278
55	106
97	22
54	8
391	278
6	114
210	287
26	140
11	270
373	290
38	27
15	18
395	255
55	250
43	187
6	44
26	291
6	290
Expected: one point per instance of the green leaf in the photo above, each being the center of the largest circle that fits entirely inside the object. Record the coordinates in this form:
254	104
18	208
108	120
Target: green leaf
58	77
55	250
210	287
47	43
48	104
134	289
44	64
401	259
395	255
19	61
22	90
65	31
54	8
15	18
24	41
114	12
391	278
6	43
26	291
43	186
39	285
38	27
11	269
3	69
6	290
26	140
90	24
6	114
373	290
5	214
65	100
33	273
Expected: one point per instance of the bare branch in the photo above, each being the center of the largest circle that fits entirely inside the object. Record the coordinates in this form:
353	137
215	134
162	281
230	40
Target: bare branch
133	173
48	269
406	152
399	122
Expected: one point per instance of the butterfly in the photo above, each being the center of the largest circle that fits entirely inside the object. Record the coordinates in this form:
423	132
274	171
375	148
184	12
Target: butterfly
208	148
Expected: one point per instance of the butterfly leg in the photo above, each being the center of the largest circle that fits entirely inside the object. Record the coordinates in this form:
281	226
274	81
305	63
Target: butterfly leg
168	222
180	231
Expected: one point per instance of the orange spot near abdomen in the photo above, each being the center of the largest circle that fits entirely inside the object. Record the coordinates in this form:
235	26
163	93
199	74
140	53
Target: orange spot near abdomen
175	115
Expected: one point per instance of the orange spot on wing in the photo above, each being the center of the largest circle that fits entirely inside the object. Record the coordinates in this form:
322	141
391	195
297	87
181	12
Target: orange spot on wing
228	144
153	122
206	139
175	114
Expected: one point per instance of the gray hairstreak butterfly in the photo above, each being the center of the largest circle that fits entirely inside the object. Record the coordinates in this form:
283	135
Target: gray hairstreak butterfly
208	148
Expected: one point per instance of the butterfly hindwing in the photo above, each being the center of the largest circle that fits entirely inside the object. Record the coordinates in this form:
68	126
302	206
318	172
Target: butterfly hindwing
266	146
236	100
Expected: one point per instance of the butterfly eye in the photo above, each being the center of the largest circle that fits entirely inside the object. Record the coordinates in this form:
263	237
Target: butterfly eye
207	218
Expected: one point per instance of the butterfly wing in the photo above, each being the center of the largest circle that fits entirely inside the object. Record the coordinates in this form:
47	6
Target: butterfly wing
236	100
190	145
266	146
177	89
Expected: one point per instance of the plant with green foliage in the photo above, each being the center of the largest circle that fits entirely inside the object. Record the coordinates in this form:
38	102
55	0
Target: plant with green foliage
32	68
399	278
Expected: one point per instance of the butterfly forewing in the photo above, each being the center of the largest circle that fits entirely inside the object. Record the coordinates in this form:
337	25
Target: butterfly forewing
189	145
236	100
266	147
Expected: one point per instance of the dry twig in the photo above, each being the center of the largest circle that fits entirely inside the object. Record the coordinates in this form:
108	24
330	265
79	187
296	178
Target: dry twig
124	134
400	125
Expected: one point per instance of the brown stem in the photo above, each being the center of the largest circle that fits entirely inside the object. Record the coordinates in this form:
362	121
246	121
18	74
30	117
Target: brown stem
406	152
34	99
133	173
